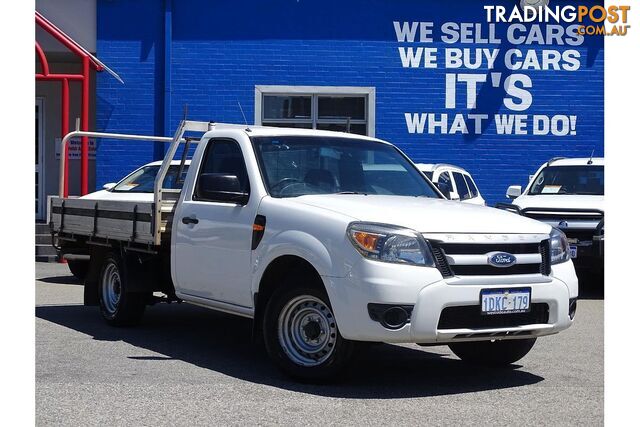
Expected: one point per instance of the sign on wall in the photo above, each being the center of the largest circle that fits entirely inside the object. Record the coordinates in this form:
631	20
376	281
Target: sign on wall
74	148
504	66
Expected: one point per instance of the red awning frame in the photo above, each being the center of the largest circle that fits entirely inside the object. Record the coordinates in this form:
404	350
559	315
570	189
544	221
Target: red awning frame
88	61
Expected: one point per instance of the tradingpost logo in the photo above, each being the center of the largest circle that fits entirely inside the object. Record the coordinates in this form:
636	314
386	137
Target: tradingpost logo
587	20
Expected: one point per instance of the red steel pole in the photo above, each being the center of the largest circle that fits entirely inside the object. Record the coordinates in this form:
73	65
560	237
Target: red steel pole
84	152
65	130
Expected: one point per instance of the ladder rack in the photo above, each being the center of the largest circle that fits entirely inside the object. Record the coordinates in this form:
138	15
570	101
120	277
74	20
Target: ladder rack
164	199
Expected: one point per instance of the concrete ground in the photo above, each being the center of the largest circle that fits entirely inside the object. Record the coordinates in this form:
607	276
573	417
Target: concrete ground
185	365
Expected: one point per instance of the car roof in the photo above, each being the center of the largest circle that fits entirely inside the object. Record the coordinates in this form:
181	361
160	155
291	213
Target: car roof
431	167
580	161
159	162
252	130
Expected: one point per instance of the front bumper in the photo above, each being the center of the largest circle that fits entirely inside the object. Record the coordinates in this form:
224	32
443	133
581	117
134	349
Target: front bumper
430	294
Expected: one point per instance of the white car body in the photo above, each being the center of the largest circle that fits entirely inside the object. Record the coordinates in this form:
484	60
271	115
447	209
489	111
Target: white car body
215	264
443	174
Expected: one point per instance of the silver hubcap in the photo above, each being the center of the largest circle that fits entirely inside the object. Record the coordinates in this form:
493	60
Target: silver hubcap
111	289
307	330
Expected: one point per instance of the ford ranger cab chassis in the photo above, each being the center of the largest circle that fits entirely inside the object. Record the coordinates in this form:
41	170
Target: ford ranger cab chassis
326	240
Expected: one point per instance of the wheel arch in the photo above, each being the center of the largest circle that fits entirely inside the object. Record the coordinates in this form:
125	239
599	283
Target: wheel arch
272	278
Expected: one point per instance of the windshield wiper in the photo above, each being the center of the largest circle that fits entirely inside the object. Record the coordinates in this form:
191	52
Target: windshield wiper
353	192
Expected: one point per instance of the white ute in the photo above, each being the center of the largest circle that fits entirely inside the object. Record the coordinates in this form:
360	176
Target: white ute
453	182
326	240
568	194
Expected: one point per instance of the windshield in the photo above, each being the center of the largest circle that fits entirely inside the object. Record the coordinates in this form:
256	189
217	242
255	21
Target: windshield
298	165
141	181
585	180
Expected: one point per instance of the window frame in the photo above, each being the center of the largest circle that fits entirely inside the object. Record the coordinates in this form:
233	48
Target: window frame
210	144
474	192
451	183
468	195
369	94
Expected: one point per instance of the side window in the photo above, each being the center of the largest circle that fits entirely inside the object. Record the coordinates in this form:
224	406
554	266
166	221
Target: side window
472	187
444	184
461	185
223	157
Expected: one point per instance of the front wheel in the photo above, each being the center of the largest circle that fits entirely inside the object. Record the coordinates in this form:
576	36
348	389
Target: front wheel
493	353
118	306
302	337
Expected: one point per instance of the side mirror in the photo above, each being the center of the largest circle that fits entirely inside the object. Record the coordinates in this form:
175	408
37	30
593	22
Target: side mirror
109	185
531	177
514	191
221	187
454	195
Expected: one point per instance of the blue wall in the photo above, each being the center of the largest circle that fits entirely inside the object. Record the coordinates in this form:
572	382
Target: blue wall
221	50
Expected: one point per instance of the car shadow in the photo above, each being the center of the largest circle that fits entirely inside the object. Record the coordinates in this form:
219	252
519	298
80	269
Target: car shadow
223	343
61	280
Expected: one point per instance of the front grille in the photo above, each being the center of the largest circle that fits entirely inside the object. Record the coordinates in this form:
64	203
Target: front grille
482	248
489	270
563	214
470	317
545	251
582	235
441	262
442	250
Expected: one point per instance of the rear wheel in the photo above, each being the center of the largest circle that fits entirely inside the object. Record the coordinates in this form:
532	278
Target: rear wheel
118	306
493	353
302	337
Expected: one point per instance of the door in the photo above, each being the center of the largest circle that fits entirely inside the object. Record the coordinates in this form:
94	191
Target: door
40	211
212	253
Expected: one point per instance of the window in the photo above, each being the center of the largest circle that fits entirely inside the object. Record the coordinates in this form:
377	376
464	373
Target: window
143	180
341	109
584	180
445	185
428	174
461	186
472	187
224	157
298	165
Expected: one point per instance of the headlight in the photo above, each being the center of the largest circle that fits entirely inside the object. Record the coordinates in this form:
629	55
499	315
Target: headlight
388	243
559	247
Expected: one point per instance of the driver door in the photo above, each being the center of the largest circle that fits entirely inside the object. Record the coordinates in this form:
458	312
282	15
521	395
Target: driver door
212	251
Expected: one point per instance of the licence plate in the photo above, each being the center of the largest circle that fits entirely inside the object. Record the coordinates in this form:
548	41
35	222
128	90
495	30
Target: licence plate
573	250
501	301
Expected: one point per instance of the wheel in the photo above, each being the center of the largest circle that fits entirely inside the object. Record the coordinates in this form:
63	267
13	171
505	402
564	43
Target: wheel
79	269
118	307
493	353
301	334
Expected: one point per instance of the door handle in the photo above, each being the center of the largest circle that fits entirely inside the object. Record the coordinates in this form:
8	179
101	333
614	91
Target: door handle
189	220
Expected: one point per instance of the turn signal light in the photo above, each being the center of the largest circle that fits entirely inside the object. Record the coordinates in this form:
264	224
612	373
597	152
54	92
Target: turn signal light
367	241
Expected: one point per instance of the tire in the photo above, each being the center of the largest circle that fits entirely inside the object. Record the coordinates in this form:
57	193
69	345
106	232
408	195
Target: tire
311	348
493	353
118	307
79	269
